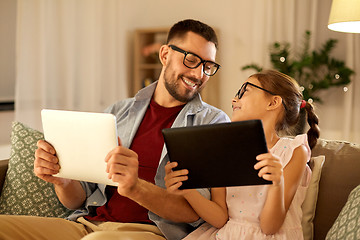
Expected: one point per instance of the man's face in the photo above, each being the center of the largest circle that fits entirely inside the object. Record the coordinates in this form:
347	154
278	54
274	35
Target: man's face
181	82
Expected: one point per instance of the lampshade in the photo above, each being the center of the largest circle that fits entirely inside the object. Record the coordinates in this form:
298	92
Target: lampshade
345	16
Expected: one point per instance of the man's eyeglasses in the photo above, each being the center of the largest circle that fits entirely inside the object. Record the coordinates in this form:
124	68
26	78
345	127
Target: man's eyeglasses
191	60
242	90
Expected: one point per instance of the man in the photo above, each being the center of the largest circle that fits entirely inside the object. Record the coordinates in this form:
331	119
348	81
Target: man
137	164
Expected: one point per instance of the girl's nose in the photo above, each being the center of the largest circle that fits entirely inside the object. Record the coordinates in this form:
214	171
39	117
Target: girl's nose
234	100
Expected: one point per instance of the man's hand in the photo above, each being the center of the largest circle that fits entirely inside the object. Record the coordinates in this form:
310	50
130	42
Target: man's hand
122	167
46	164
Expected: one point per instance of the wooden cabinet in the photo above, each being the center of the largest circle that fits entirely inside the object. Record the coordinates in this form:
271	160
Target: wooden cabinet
147	65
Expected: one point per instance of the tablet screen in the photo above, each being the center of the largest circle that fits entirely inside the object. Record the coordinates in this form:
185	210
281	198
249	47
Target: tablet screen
218	155
81	140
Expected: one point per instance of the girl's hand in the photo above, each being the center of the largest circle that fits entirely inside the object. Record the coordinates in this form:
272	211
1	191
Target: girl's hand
174	179
270	168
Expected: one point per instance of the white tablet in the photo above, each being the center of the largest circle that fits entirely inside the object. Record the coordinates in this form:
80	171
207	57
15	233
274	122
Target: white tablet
81	140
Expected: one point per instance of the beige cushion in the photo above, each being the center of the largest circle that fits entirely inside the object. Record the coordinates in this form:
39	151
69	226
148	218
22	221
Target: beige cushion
310	201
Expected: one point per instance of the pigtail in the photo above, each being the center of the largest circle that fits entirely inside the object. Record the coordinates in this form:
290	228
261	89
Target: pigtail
313	121
289	90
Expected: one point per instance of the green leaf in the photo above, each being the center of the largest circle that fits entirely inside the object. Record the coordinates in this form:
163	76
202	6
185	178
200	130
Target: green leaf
252	66
315	70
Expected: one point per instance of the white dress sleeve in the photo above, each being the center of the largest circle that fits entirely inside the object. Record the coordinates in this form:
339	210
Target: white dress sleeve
288	146
285	150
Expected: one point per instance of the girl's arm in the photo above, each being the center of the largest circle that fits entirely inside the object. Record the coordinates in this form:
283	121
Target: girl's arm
213	211
283	189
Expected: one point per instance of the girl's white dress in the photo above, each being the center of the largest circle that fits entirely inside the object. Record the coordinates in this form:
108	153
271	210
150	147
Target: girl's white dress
246	202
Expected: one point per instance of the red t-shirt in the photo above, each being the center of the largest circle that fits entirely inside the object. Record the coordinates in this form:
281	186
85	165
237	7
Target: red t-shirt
147	143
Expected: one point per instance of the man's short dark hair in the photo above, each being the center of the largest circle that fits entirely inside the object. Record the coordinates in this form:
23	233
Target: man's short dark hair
190	25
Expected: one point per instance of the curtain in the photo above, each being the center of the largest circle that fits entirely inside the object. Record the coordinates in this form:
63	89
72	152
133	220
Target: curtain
351	125
67	57
262	22
76	54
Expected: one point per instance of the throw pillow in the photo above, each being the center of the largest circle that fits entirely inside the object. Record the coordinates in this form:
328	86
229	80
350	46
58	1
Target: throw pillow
24	193
309	204
347	224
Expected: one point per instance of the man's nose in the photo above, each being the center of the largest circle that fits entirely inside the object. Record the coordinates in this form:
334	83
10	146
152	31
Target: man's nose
198	72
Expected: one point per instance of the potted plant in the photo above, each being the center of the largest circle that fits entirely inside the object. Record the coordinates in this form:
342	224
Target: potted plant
314	71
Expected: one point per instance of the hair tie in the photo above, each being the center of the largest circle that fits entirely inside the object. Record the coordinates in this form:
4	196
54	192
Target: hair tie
303	104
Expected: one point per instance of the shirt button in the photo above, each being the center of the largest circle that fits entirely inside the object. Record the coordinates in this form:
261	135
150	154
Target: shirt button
95	203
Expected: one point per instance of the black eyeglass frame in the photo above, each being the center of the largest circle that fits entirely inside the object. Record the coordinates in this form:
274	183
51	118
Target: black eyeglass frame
239	94
175	48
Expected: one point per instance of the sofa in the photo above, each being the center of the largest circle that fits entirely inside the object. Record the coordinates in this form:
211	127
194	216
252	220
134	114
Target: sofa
340	174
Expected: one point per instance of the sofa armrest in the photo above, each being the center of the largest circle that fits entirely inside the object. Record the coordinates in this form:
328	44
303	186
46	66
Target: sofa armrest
339	176
3	169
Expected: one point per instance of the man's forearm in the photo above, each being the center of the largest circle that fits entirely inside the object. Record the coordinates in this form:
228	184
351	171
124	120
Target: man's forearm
162	203
71	195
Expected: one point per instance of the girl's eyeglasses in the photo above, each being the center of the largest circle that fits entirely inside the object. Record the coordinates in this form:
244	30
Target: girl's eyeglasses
242	90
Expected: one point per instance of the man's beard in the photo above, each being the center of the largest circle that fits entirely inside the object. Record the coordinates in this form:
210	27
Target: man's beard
172	85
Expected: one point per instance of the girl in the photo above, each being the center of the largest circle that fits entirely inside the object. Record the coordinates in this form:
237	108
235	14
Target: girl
262	211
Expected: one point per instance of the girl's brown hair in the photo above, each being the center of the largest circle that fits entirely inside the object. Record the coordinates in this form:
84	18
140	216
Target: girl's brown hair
289	90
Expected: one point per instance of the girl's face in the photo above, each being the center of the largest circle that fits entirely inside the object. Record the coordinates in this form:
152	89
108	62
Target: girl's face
252	103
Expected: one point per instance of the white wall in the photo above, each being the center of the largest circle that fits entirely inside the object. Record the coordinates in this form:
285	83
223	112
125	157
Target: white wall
7	49
7	70
236	46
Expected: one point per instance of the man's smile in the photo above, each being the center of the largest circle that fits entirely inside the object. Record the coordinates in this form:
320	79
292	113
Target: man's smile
189	82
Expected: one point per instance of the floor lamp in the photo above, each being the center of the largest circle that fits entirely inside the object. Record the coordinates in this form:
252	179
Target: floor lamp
345	16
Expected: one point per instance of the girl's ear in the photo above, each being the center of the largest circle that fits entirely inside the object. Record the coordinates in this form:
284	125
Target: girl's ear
163	54
275	102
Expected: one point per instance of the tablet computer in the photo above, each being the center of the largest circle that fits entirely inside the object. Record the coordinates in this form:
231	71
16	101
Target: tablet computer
218	155
81	140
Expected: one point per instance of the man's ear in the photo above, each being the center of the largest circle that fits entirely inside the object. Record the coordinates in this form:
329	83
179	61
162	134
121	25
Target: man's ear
163	54
275	102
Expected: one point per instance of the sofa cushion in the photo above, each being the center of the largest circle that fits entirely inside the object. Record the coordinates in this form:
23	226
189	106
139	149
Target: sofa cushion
309	204
347	224
24	193
339	175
